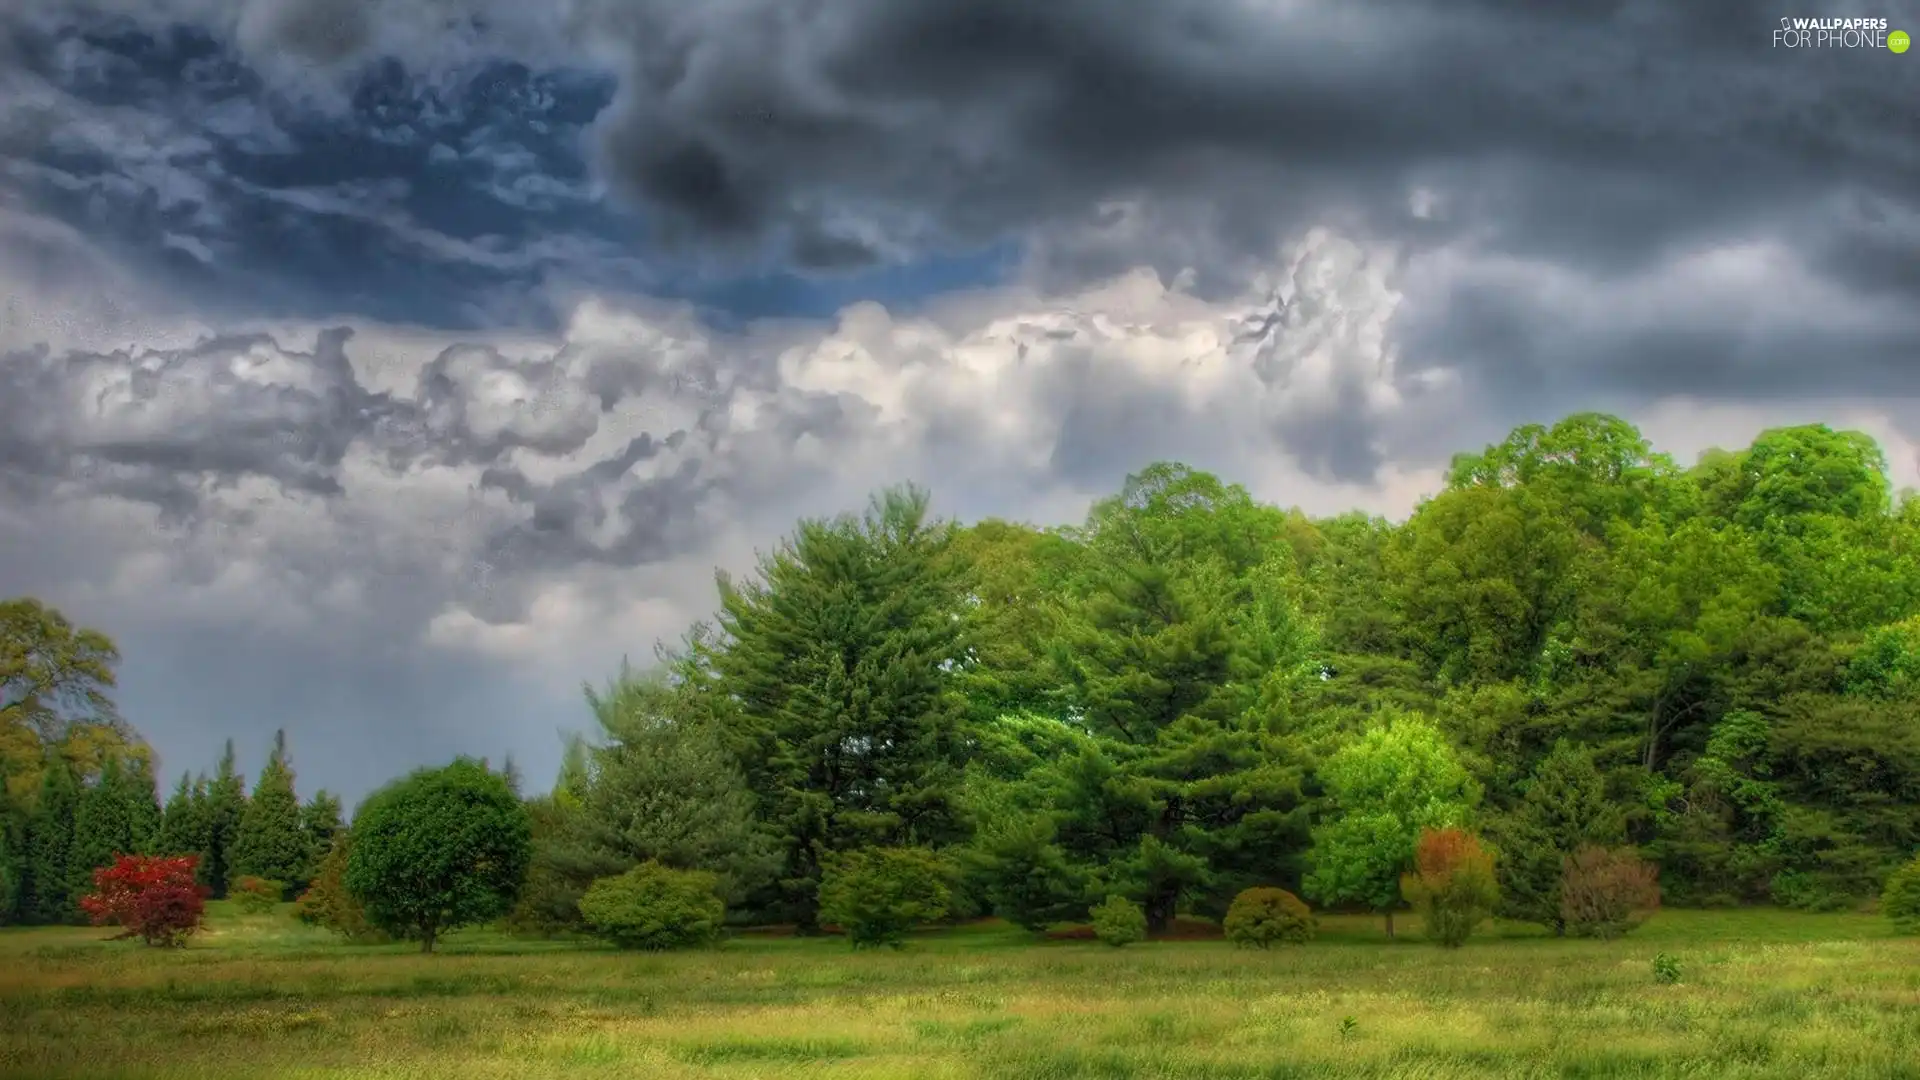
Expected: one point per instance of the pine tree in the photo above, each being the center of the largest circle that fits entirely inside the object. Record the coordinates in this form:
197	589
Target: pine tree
12	861
143	804
1564	809
841	659
102	826
183	825
270	842
226	801
48	899
320	822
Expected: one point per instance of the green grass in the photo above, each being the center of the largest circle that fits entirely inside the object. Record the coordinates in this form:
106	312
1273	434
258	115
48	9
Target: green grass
1761	994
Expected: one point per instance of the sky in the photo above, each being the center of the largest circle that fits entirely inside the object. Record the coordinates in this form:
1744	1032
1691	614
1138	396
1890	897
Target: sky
383	370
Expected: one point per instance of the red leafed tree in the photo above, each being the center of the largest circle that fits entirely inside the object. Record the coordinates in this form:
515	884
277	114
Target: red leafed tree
1453	885
154	898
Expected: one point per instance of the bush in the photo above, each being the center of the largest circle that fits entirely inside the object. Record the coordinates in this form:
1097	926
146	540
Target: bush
1666	969
879	894
655	907
154	898
1900	901
328	904
439	849
1119	921
1607	892
255	895
1261	917
1453	885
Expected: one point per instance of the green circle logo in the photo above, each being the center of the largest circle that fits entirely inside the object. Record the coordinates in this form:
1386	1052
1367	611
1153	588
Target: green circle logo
1898	41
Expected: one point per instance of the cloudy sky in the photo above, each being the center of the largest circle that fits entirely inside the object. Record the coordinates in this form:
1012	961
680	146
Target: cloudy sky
382	369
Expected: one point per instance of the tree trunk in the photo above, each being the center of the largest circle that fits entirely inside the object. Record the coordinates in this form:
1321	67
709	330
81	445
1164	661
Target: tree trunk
1160	912
426	940
1389	924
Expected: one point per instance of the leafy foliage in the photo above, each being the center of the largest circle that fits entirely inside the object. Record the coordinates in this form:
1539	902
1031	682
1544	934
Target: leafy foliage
269	841
1900	900
327	902
1453	886
439	849
878	895
655	907
1565	808
1607	892
155	898
1119	921
255	895
1397	780
1263	917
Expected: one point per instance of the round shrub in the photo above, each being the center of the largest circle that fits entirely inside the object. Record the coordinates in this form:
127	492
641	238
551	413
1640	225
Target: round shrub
1119	921
1260	918
655	907
880	894
1900	901
1607	892
255	895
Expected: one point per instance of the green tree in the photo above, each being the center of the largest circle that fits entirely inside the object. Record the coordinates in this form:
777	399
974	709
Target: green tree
51	672
1565	807
320	822
103	826
184	829
143	804
270	842
438	849
1384	789
13	862
49	896
226	805
839	660
663	786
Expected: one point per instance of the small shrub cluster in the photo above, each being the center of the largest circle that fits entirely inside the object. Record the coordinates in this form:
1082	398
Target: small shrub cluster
1900	900
1119	921
1606	892
1453	885
1666	969
328	904
878	895
1263	917
655	907
255	895
155	899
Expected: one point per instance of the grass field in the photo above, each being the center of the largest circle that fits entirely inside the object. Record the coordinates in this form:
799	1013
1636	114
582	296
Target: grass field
1761	994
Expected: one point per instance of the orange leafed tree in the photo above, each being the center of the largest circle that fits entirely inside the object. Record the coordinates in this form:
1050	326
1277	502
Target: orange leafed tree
1452	886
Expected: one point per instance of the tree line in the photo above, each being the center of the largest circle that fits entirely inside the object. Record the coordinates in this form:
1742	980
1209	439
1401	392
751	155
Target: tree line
1578	645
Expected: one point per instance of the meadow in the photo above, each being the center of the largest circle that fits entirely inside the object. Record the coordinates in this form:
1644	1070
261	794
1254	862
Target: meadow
1760	994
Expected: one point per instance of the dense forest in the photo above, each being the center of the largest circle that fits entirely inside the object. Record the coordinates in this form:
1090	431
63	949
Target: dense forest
1577	642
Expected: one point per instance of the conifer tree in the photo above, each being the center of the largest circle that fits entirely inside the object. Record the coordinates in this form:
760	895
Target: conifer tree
48	898
1565	808
270	842
12	861
226	801
182	823
320	822
143	803
840	658
102	826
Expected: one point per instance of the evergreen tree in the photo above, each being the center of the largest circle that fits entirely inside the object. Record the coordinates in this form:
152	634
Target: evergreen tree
49	897
320	822
1564	809
182	825
12	856
226	802
143	804
270	842
840	659
102	826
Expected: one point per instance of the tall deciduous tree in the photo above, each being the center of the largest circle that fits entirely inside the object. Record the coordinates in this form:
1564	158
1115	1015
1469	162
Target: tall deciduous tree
51	672
1384	789
838	661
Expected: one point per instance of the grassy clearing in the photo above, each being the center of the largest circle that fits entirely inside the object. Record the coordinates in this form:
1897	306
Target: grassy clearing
1762	994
